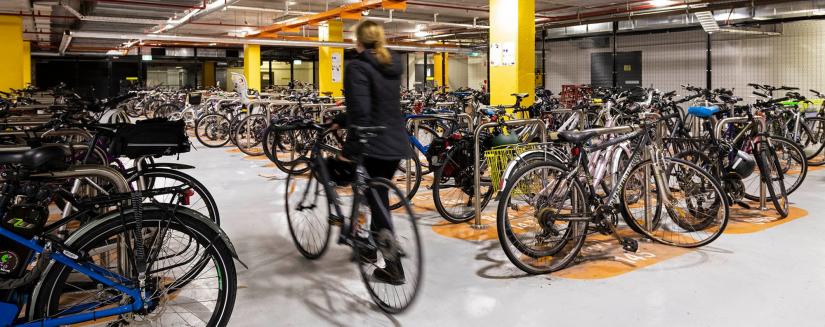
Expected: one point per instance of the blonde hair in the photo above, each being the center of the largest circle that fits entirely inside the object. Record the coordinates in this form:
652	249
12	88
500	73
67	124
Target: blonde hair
371	35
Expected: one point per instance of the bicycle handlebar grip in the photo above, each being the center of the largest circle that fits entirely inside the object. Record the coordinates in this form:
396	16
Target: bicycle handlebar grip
754	85
760	94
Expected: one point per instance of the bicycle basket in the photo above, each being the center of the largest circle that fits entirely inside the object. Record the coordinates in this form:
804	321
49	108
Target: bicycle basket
152	137
500	157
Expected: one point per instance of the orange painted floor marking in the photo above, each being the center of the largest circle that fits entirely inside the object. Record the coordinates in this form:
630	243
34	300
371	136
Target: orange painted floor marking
747	221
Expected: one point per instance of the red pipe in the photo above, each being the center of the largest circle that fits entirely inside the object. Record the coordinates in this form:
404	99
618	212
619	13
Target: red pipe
594	7
591	14
154	4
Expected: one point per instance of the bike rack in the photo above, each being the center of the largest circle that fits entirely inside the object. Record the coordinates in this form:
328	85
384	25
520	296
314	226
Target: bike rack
763	205
477	187
425	117
325	111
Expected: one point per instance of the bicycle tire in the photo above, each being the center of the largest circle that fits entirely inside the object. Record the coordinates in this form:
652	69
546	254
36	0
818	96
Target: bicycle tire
250	134
768	167
220	133
813	141
52	285
439	188
649	230
294	190
186	179
795	156
573	237
384	299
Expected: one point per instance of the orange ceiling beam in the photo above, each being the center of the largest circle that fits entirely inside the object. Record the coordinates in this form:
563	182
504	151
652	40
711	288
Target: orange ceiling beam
350	11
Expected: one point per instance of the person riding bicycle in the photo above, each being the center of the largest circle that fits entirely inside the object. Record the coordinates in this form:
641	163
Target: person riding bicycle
372	88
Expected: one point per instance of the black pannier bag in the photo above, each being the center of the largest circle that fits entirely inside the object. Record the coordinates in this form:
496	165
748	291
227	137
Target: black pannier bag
152	137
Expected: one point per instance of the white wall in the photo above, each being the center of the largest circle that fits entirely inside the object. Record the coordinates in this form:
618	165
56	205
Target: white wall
797	58
476	71
457	71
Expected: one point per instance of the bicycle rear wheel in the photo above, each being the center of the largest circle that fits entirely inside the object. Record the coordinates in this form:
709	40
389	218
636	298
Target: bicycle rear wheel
398	253
541	218
454	187
401	179
212	130
249	136
689	211
191	277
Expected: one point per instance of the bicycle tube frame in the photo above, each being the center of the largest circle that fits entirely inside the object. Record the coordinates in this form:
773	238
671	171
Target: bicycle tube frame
95	272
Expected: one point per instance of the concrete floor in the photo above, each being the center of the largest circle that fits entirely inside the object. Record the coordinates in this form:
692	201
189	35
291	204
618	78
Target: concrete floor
769	278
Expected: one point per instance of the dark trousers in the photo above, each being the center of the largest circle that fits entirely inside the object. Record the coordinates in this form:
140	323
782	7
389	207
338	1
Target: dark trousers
378	199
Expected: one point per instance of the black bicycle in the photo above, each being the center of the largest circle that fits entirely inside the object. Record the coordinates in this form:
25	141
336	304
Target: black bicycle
389	259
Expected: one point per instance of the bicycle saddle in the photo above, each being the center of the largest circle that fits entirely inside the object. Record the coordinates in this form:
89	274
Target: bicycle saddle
577	137
520	95
703	111
44	158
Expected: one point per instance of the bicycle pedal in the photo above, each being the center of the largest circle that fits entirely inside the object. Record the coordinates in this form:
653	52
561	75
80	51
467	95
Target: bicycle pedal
630	245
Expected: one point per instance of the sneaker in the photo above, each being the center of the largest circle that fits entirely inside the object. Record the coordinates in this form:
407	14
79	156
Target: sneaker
392	274
367	253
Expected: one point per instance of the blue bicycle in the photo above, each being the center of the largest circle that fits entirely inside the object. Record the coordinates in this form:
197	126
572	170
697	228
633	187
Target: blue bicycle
142	262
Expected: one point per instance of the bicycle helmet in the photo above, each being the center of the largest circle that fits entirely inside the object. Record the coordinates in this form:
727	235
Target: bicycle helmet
742	165
504	139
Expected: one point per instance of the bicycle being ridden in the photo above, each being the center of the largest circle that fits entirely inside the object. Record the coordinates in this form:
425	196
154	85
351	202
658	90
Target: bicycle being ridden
387	246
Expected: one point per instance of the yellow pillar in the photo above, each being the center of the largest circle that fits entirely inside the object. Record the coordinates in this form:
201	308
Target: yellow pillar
11	57
252	66
27	63
331	60
442	78
208	74
512	50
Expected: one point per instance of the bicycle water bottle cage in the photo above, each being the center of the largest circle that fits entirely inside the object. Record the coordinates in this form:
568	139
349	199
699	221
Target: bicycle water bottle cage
703	111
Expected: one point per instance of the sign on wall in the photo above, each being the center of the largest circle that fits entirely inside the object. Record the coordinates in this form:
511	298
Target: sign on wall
336	67
502	54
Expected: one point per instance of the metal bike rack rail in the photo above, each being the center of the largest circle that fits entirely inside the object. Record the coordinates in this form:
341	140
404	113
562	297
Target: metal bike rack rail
426	117
763	201
476	173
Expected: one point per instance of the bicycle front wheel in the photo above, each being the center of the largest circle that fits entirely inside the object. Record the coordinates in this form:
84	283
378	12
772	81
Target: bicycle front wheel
773	177
307	213
542	218
394	278
813	140
249	136
677	203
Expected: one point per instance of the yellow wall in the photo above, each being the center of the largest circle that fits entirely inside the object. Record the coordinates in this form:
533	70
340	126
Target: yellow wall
438	58
27	63
332	32
208	74
11	55
513	21
252	66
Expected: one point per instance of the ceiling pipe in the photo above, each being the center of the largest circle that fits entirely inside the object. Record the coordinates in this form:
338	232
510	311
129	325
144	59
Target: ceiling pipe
371	17
193	15
123	20
154	4
703	5
259	41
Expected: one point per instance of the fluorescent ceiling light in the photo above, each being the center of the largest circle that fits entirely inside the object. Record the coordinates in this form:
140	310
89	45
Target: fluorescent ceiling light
421	34
707	21
297	62
146	57
662	3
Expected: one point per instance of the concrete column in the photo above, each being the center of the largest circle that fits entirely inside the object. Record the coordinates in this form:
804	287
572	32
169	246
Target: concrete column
512	50
12	64
331	60
252	66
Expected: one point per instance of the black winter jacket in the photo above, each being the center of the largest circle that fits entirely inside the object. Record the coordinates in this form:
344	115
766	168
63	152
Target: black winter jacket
373	98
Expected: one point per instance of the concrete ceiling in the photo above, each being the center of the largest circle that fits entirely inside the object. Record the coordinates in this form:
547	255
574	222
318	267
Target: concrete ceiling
456	21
